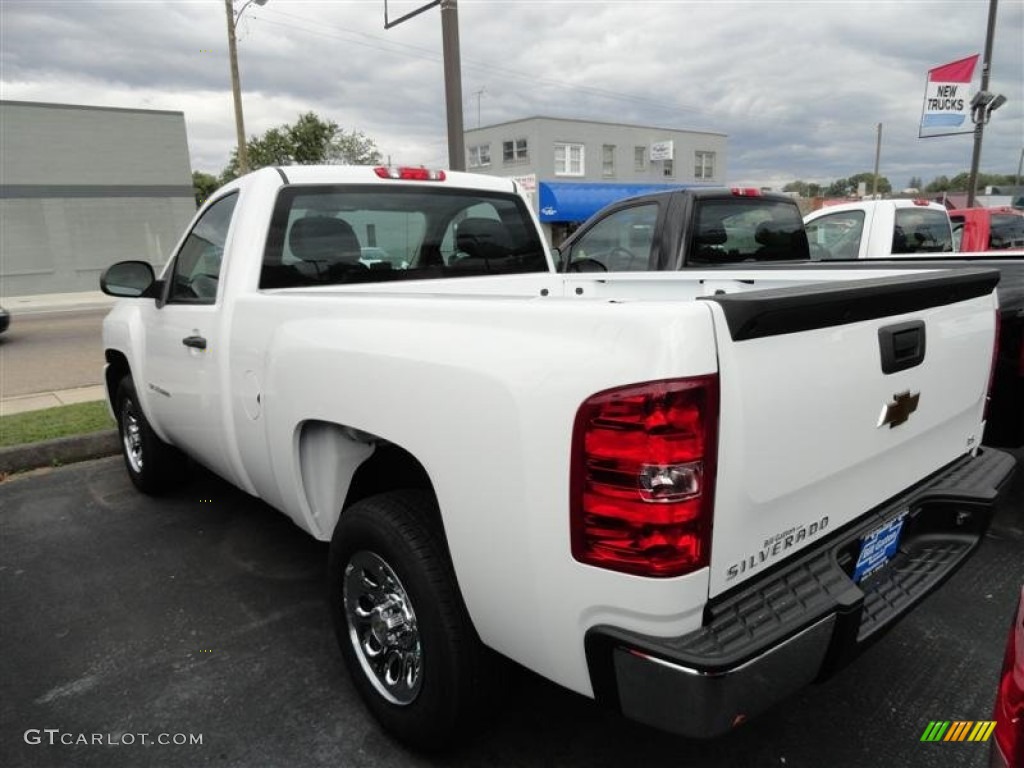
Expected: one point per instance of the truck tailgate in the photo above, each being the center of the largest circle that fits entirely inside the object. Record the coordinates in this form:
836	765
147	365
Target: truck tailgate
836	398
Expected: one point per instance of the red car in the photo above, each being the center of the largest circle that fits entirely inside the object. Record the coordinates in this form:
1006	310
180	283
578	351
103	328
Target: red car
1008	736
987	229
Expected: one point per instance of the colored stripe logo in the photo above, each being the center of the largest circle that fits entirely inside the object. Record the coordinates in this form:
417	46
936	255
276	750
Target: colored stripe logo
958	730
955	72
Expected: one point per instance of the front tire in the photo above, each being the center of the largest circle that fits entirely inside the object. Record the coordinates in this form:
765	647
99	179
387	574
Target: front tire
404	633
152	464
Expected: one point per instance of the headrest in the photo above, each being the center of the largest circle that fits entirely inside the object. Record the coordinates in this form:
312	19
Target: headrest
711	237
487	232
322	238
767	233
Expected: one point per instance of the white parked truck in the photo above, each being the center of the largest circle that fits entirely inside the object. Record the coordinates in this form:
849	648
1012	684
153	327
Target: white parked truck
685	494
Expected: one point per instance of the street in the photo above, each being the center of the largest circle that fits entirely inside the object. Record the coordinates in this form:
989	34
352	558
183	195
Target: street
52	350
204	613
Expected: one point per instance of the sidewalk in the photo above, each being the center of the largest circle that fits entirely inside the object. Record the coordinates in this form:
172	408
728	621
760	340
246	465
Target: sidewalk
40	400
56	302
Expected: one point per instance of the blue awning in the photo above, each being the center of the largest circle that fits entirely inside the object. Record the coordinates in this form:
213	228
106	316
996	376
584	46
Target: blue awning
579	200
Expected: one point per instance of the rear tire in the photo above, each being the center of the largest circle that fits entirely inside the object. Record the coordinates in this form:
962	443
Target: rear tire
404	633
152	464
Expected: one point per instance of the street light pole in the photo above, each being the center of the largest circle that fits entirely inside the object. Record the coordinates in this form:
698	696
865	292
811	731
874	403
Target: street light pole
236	85
980	119
452	72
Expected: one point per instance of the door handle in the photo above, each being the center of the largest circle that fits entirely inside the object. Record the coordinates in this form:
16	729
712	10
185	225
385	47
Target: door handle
902	346
198	342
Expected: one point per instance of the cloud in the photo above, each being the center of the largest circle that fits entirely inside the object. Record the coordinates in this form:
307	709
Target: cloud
798	86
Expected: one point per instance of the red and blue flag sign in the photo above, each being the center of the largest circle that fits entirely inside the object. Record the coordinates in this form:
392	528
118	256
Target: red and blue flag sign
947	99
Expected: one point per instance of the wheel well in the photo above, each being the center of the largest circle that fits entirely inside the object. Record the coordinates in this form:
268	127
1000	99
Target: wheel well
390	468
117	369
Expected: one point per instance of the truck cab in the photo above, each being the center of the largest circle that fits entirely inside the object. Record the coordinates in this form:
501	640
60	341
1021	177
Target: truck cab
879	229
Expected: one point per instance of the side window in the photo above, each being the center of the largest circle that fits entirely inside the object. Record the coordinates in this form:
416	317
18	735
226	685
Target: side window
836	236
196	272
958	231
620	242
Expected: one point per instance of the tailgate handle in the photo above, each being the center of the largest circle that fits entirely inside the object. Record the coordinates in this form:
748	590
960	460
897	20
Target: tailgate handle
902	345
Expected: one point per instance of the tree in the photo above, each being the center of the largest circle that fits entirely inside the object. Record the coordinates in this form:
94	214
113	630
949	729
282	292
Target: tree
915	183
868	178
960	182
838	188
203	184
310	140
803	188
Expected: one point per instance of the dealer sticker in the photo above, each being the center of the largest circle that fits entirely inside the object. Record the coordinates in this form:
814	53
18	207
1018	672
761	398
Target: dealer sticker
878	547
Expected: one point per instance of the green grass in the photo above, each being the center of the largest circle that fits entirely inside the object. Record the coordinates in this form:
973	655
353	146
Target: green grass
63	421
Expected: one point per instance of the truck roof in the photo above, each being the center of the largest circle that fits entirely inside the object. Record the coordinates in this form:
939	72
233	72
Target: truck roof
368	174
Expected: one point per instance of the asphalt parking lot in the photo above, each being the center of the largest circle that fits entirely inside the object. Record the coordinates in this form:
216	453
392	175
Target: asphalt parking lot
204	614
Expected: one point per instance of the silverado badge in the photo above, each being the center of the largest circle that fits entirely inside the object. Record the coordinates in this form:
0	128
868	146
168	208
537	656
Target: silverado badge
899	410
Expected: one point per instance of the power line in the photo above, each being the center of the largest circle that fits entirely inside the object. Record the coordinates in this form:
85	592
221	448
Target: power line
404	49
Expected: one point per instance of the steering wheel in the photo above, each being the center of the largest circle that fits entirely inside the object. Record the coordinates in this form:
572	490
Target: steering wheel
203	286
586	264
619	253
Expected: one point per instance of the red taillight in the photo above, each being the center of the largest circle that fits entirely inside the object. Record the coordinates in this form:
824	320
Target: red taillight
643	477
406	173
995	362
746	191
1009	710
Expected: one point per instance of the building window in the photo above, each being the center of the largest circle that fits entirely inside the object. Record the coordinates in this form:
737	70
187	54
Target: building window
639	158
608	160
514	151
569	160
704	165
668	168
479	155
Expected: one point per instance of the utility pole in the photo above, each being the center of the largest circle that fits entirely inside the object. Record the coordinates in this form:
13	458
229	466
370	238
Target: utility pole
236	85
452	73
980	116
453	84
236	90
878	157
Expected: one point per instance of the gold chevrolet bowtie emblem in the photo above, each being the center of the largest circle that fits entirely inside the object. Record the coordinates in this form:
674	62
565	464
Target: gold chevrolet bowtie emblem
899	410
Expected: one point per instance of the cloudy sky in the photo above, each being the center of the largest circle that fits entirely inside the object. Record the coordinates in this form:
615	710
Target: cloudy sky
799	87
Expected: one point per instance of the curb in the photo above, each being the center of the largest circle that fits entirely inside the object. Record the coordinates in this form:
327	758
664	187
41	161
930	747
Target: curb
62	450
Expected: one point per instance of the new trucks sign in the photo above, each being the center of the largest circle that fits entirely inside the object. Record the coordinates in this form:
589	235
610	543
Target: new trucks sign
947	100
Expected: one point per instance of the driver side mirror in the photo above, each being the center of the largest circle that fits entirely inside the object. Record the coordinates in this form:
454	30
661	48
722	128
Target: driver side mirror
129	279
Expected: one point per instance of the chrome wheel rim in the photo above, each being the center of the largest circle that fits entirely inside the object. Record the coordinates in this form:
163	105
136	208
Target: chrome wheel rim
131	435
382	628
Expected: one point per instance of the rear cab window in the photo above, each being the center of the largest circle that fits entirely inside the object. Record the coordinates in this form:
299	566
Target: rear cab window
337	234
921	230
741	229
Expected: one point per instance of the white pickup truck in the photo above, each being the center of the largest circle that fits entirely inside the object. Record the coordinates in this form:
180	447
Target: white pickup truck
684	494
